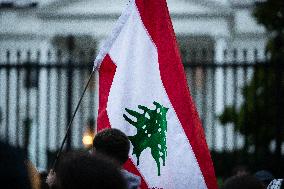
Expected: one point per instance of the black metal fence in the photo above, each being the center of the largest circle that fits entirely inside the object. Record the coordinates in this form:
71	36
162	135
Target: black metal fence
239	103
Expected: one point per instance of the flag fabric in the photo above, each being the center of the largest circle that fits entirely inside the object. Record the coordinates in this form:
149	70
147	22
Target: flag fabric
143	92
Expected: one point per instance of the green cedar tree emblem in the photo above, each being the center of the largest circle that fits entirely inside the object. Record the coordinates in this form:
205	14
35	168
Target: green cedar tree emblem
151	128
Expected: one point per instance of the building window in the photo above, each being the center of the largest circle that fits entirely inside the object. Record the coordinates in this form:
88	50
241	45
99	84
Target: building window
196	49
31	79
18	4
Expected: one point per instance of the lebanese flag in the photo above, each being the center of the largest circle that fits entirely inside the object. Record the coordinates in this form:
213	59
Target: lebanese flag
143	92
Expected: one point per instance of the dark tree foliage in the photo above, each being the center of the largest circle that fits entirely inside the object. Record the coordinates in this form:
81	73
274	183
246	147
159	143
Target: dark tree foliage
259	117
270	13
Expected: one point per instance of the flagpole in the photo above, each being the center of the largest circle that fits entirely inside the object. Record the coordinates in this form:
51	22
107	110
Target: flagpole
71	121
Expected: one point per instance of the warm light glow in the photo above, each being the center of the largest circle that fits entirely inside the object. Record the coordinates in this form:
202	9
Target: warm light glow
88	137
87	140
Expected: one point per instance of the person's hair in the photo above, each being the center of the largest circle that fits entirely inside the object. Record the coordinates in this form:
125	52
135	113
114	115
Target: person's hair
243	182
84	171
113	143
239	170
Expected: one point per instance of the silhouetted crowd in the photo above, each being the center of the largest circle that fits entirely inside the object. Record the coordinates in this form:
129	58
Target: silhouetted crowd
260	180
101	168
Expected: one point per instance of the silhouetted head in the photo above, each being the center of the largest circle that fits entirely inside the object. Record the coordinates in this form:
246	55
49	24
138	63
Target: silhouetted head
84	171
264	176
243	182
113	143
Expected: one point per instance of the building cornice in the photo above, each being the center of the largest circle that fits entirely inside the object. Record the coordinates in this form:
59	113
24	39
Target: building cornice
213	4
21	36
251	35
111	16
54	5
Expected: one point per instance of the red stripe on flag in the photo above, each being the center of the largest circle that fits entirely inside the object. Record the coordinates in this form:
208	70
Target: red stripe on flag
106	75
156	19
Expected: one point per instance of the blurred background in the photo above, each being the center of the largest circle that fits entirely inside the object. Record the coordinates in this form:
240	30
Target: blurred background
232	51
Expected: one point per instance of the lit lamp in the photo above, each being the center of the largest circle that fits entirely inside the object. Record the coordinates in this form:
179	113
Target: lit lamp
89	134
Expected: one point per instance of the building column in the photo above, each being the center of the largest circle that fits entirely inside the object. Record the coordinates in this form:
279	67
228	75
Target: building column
219	58
220	47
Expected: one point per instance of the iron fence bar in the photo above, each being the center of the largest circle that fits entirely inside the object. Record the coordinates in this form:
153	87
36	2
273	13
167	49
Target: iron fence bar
225	130
194	87
7	128
47	121
213	106
90	105
28	118
225	64
213	96
92	56
81	122
235	96
18	94
90	120
69	99
37	110
245	104
49	65
81	114
92	96
63	65
255	99
58	98
192	73
203	92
